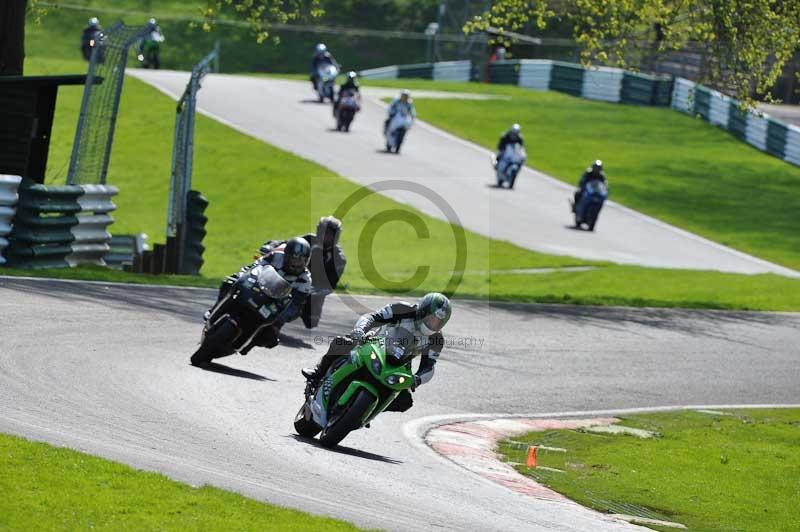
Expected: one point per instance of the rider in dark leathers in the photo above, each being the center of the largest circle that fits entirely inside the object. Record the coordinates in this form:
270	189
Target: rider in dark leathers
290	260
594	172
91	34
512	136
326	266
350	84
321	57
424	319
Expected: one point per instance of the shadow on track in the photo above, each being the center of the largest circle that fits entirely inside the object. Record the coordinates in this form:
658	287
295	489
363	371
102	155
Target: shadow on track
341	449
216	367
292	341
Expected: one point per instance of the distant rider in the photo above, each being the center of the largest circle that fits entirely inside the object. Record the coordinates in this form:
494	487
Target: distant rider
592	173
290	260
152	37
320	58
512	136
350	84
402	104
326	267
91	34
424	319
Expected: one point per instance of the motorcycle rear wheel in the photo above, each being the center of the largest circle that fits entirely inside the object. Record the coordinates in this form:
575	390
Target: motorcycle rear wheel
348	422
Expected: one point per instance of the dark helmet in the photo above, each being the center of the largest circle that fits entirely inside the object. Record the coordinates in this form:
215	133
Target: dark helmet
152	23
296	254
328	230
94	22
597	166
433	312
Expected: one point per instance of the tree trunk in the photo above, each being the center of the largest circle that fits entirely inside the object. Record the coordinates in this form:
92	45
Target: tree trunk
12	36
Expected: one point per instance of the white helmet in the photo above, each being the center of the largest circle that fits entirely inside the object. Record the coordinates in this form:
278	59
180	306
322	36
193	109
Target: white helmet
321	48
406	93
94	22
515	128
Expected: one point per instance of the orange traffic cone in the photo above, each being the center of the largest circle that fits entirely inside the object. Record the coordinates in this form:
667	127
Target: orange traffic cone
531	462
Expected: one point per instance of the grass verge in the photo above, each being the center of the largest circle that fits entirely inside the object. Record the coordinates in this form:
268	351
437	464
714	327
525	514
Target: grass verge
52	488
738	470
257	191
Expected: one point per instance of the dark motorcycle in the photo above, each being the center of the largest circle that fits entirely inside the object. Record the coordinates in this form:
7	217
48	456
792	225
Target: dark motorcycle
349	105
89	41
590	203
251	304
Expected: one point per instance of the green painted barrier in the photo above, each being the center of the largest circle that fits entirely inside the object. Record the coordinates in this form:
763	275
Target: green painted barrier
42	231
702	102
776	138
737	121
196	205
504	72
567	78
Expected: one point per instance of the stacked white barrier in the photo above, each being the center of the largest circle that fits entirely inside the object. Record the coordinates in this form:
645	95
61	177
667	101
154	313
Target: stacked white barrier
387	72
9	184
603	83
756	131
720	109
792	149
535	74
683	95
452	71
91	234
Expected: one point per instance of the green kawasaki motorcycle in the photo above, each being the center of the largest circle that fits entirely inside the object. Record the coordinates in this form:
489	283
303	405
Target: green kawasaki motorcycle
357	387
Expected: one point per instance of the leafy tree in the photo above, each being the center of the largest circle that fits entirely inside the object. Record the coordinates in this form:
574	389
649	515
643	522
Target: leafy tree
746	43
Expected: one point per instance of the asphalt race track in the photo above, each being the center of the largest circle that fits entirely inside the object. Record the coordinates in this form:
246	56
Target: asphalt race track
535	215
104	368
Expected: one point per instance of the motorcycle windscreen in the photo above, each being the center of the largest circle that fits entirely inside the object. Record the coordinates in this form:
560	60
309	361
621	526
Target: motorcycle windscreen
273	284
597	188
400	344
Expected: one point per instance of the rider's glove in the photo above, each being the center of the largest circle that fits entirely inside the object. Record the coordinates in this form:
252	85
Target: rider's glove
357	335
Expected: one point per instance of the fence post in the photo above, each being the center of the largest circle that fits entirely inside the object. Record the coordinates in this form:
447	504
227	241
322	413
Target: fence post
176	259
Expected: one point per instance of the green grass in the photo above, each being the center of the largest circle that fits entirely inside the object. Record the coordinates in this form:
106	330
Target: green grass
51	488
257	191
708	472
674	167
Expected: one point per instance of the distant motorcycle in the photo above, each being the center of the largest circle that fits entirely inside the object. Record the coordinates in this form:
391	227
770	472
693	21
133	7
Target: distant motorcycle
150	51
510	163
89	41
349	105
396	131
251	304
326	76
590	203
357	388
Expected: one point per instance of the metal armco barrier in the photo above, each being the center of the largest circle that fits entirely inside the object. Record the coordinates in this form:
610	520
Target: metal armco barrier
387	72
8	208
91	236
535	74
42	233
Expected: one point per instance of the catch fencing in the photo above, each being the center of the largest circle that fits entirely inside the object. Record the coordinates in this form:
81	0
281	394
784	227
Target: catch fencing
94	135
757	129
183	250
8	208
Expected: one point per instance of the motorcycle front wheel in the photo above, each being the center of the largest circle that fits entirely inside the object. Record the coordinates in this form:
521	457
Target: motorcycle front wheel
305	427
216	343
348	421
